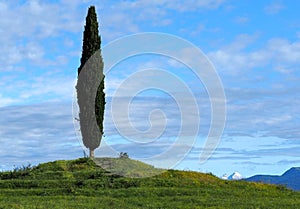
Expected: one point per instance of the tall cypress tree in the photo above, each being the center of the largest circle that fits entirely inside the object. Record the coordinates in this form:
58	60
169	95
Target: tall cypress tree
90	85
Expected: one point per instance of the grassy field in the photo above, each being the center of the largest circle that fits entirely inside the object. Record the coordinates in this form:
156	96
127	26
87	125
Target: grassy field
82	184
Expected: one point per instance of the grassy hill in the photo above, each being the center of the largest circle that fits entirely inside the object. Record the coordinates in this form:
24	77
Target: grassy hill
81	183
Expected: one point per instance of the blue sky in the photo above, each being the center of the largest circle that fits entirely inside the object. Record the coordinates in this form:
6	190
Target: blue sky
255	48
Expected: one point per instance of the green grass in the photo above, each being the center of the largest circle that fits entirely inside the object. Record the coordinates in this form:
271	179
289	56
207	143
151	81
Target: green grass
127	167
82	183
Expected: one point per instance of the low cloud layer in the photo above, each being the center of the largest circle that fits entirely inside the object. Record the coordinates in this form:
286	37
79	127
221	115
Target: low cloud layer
37	133
43	132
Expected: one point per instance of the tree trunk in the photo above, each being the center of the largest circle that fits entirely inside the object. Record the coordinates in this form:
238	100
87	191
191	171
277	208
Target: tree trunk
92	153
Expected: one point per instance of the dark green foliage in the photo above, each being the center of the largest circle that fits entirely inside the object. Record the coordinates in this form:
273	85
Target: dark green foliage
18	172
99	106
90	85
91	38
123	155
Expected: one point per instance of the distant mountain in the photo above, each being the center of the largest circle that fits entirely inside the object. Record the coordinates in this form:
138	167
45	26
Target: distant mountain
234	176
290	178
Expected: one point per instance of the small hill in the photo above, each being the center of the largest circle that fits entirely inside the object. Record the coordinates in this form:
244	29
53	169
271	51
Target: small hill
82	183
290	179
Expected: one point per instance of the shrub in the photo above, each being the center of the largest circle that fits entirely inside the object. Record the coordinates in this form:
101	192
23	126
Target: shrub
123	155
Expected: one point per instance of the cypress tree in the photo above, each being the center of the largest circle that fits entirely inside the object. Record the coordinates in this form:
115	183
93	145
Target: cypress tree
90	85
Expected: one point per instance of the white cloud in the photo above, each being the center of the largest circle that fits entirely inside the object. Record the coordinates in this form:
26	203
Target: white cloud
195	5
278	120
43	88
274	8
174	5
272	112
37	133
242	19
153	116
24	28
124	17
280	54
47	88
33	52
6	101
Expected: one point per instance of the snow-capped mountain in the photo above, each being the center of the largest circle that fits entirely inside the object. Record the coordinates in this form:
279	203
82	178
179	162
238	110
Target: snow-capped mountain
224	177
234	176
290	179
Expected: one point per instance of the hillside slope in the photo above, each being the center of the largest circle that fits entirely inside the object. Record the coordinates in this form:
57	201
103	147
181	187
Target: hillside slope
81	183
